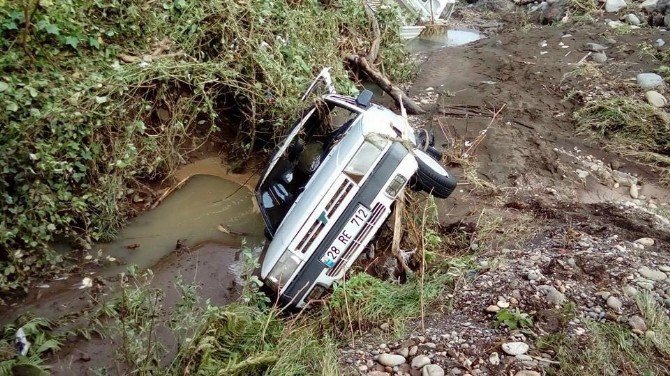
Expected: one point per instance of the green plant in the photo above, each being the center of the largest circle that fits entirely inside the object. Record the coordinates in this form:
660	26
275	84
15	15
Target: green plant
637	128
513	319
42	340
100	97
363	301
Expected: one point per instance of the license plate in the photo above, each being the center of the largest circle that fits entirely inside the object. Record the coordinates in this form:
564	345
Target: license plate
346	236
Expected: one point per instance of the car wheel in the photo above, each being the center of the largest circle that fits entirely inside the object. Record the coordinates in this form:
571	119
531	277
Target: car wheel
431	177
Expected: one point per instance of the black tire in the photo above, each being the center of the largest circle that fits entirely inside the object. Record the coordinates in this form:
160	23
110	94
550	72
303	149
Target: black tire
431	177
424	138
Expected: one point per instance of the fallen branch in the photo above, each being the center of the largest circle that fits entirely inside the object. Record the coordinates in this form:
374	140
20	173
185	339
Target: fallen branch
385	84
366	64
397	233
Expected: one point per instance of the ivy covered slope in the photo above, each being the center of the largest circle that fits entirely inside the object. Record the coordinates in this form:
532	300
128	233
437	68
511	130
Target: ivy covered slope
99	96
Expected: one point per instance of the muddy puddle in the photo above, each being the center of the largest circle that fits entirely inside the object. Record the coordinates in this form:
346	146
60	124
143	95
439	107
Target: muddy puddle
450	38
205	209
207	215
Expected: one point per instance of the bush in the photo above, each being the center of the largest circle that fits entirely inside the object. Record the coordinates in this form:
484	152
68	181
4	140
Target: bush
81	130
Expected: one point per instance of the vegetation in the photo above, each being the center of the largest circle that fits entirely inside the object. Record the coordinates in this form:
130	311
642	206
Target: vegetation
612	349
100	97
513	319
38	334
636	128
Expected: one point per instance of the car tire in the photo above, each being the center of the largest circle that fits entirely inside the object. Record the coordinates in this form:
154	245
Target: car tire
432	177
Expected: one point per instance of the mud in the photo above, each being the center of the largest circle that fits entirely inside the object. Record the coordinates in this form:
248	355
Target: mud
213	268
208	206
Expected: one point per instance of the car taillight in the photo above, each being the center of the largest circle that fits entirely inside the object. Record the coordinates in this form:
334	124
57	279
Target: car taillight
395	186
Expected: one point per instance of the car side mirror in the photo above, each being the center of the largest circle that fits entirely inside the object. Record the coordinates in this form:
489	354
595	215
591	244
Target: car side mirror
364	98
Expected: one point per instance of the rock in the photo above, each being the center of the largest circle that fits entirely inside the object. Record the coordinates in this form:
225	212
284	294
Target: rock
413	350
648	5
662	6
494	359
634	191
430	345
648	81
385	326
655	98
378	373
630	291
631	19
502	304
623	178
533	276
595	47
492	308
391	360
637	323
432	370
647	242
658	43
404	352
554	297
498	6
552	11
614	303
363	368
599	57
614	5
654	275
420	361
665	268
515	348
527	373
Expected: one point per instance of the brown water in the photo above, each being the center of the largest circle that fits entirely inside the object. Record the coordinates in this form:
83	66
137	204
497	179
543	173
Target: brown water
191	215
208	199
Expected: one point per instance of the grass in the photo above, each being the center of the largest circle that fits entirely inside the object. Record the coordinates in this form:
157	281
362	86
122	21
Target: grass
634	127
364	301
613	349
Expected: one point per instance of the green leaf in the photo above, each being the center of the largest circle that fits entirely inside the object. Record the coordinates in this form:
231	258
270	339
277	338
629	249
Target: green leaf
32	91
52	29
3	86
93	42
72	41
9	25
13	107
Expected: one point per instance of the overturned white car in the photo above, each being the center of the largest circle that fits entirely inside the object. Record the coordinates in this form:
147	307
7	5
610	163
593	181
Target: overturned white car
329	187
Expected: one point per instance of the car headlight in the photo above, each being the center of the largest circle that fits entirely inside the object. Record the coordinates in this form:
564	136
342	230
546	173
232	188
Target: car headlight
283	269
395	186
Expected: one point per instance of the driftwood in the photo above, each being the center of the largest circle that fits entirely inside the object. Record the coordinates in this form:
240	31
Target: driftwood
463	111
366	65
385	84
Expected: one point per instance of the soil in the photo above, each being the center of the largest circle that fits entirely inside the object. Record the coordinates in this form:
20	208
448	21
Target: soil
518	88
513	93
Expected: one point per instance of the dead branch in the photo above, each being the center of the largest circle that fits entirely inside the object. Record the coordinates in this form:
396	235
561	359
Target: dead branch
462	111
374	46
385	84
397	233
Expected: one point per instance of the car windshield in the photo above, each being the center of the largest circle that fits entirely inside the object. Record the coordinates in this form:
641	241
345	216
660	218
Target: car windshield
323	126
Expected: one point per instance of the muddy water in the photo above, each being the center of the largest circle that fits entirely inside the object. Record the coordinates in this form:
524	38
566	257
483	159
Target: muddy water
197	212
208	200
451	38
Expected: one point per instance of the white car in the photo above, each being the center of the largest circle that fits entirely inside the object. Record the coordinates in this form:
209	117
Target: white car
329	187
